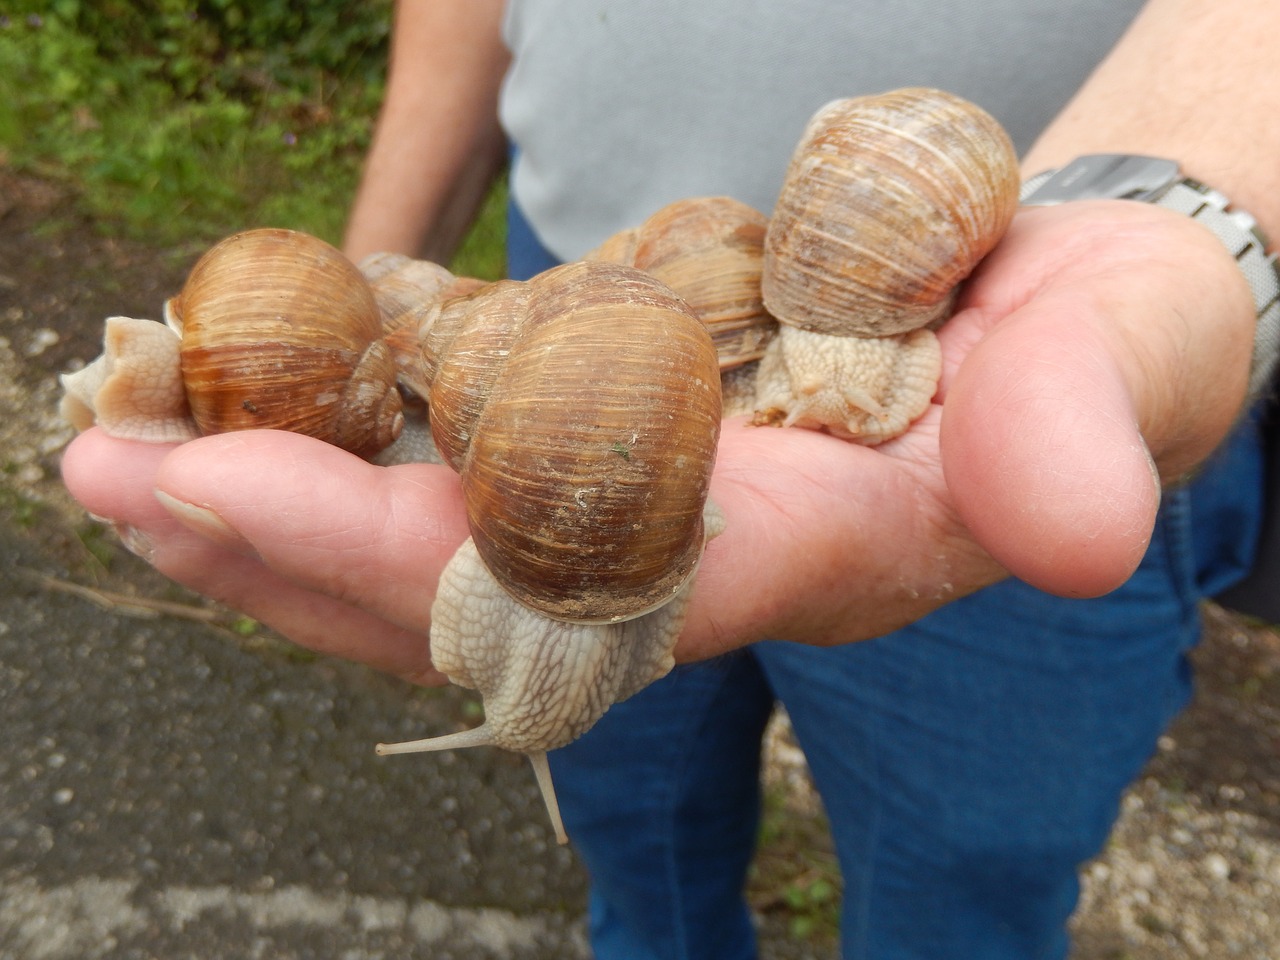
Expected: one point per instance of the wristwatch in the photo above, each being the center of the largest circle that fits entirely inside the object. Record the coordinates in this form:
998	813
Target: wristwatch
1158	181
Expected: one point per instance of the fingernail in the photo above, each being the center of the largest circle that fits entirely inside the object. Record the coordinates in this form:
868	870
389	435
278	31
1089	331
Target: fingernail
204	522
135	541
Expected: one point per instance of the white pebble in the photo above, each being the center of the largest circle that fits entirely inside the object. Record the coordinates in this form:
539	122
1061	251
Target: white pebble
1217	866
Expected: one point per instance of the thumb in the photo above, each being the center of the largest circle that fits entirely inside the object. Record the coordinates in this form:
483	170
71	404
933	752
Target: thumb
1043	453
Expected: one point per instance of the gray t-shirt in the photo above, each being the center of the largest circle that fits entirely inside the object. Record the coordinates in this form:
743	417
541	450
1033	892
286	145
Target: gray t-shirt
617	107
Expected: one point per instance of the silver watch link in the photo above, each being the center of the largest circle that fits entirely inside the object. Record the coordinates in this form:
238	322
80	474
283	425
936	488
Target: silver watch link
1161	182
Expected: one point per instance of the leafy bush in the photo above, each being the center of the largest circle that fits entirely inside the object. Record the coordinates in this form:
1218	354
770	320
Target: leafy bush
181	120
236	47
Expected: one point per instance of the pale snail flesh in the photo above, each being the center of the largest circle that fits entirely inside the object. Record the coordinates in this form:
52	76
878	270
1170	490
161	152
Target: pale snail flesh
582	411
889	202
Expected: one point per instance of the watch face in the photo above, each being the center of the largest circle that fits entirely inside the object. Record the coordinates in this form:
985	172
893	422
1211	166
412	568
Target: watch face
1107	176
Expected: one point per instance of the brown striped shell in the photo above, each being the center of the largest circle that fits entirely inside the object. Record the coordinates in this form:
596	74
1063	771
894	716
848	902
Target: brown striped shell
582	410
710	250
280	330
889	202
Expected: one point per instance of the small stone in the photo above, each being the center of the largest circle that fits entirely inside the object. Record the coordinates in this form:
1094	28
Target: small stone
1144	875
1216	865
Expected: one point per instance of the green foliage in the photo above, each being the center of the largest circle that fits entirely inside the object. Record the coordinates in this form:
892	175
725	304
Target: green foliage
99	544
814	906
235	47
16	506
245	626
795	872
181	120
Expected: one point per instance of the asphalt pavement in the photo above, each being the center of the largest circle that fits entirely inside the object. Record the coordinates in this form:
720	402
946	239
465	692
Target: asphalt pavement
170	789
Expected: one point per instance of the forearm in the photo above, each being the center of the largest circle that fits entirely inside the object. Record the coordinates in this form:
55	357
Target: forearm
1194	81
437	145
1197	81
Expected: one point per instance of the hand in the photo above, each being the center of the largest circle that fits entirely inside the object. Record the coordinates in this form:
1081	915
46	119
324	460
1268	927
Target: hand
1100	344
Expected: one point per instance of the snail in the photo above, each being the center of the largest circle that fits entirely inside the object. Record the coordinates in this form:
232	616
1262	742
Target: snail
888	203
582	411
272	329
709	250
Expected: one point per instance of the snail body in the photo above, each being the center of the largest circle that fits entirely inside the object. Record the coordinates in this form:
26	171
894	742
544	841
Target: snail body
889	202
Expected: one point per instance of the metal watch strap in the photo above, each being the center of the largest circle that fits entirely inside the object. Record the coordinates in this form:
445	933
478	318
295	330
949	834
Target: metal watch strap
1158	181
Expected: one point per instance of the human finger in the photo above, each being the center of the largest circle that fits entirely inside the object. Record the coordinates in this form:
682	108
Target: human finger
116	480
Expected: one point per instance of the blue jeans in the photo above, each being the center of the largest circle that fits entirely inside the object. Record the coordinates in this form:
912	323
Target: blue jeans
968	763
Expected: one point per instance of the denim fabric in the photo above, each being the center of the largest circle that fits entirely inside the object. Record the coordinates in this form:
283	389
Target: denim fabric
969	763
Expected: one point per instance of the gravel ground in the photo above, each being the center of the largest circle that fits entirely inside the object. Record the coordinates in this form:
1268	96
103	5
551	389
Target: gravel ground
170	788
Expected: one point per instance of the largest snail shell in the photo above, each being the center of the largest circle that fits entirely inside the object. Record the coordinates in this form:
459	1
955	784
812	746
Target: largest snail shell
582	409
280	330
889	202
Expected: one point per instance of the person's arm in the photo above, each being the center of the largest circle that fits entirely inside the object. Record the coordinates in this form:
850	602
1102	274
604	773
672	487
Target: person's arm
437	146
1192	80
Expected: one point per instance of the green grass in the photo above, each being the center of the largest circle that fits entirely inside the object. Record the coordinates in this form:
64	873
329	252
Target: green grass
795	873
183	141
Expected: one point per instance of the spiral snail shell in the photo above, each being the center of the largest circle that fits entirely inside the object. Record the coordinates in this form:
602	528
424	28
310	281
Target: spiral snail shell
407	290
889	202
601	394
280	330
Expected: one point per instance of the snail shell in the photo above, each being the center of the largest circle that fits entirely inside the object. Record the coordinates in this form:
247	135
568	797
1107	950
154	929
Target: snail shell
280	330
582	409
889	202
406	291
709	250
